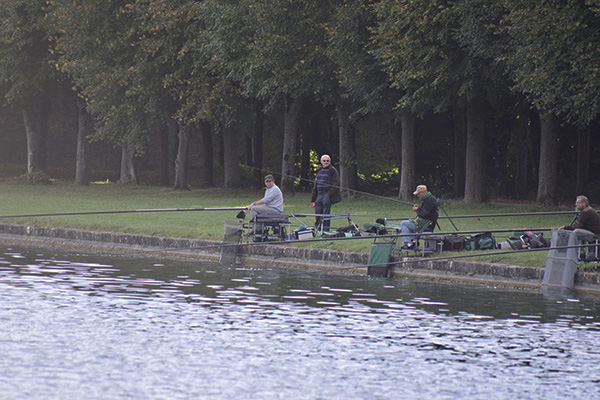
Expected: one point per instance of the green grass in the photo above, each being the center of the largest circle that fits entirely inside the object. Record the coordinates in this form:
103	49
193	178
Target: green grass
19	198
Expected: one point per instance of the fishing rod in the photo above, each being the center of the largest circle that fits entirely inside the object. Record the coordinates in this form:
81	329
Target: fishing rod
447	216
471	255
410	204
147	210
498	215
334	186
337	239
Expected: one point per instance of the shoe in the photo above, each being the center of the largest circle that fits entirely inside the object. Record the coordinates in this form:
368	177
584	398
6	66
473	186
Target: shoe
408	246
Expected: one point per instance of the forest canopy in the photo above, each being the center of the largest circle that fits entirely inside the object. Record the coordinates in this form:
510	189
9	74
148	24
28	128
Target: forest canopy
477	98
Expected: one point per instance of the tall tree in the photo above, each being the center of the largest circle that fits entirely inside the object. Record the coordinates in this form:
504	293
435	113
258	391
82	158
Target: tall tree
85	128
276	50
553	57
26	70
101	47
408	176
361	88
428	48
546	193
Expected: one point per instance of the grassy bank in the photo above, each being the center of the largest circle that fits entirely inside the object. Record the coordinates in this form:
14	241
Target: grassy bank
19	198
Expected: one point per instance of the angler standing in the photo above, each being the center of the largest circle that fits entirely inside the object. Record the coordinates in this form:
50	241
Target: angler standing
325	192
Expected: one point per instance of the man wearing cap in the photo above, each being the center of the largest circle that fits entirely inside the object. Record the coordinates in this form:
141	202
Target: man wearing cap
272	203
326	191
428	210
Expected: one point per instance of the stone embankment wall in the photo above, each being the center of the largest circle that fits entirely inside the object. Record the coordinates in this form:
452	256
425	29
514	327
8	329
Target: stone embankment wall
285	255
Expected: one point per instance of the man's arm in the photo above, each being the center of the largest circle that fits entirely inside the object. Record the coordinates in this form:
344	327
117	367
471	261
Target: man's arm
334	182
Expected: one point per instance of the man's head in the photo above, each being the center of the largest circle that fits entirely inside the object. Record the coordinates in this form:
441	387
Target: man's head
269	180
420	191
581	202
325	160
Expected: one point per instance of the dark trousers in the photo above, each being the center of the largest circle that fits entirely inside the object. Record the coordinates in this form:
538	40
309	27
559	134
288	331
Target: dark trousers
322	206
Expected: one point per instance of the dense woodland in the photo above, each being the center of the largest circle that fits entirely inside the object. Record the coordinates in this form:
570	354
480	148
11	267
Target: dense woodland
475	98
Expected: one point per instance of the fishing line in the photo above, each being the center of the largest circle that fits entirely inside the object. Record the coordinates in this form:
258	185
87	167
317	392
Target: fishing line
335	186
337	239
406	202
415	260
150	210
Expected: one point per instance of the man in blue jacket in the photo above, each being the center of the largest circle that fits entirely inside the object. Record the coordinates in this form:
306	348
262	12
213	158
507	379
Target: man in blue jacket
326	191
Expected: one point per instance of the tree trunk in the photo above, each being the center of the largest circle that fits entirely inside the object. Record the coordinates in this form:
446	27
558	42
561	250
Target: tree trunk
583	161
85	127
207	154
475	157
231	159
164	155
521	143
306	169
347	140
293	112
459	151
408	174
182	158
257	142
546	193
36	135
128	175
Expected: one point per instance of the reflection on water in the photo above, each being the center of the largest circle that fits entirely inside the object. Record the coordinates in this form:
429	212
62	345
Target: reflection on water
77	326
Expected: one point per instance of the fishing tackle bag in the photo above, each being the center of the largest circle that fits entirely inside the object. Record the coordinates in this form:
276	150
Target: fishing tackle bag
454	243
536	240
516	243
481	241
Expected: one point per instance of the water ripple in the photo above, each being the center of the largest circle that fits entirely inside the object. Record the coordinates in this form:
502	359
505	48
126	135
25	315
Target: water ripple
77	326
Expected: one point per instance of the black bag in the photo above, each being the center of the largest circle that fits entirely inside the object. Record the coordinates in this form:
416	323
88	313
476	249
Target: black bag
537	240
516	243
454	243
481	241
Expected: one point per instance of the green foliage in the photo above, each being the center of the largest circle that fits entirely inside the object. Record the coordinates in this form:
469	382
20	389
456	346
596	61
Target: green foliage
100	49
432	52
553	56
26	49
271	47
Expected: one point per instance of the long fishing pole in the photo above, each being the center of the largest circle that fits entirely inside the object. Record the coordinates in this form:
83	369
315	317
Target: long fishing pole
334	186
148	210
416	260
337	239
409	203
498	215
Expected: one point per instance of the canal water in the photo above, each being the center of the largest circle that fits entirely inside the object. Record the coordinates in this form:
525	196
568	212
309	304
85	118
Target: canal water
75	326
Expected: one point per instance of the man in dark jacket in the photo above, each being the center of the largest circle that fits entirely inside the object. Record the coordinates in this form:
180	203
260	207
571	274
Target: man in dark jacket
326	191
587	222
427	212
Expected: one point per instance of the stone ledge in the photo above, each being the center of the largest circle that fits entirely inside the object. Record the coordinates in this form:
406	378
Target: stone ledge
284	256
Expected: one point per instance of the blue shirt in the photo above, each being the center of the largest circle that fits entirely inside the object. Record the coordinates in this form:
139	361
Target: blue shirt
323	181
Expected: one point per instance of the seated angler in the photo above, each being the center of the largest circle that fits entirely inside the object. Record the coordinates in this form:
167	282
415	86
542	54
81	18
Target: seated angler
427	215
587	223
271	203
